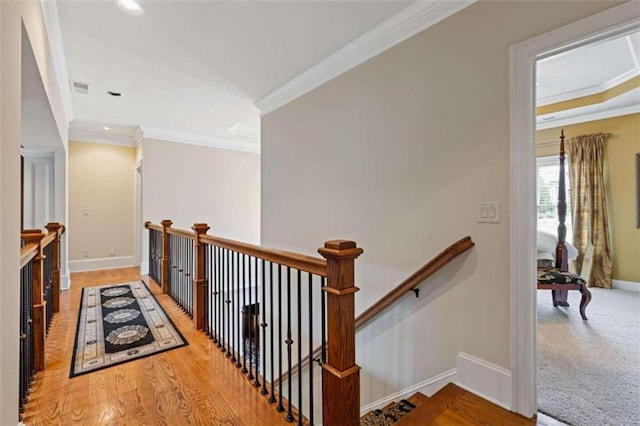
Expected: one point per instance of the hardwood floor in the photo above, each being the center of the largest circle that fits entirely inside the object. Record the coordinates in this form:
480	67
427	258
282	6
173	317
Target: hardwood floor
194	384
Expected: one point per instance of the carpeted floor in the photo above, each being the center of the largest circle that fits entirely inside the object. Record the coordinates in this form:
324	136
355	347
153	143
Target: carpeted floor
589	371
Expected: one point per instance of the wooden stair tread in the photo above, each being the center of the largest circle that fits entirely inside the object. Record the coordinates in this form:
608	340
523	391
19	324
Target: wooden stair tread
432	407
455	406
417	399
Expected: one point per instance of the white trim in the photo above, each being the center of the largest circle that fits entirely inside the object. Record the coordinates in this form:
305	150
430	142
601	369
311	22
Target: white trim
583	118
54	36
632	52
192	139
523	298
427	387
102	263
83	135
65	283
144	268
626	285
409	21
588	91
487	380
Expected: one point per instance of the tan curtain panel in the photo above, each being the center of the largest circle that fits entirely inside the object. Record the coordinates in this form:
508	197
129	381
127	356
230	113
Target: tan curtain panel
589	207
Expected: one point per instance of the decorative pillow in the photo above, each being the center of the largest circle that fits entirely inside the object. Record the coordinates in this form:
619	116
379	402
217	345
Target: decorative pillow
545	263
546	245
554	276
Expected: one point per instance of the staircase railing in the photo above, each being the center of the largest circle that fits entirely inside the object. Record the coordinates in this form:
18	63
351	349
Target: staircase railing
412	282
406	286
267	309
39	299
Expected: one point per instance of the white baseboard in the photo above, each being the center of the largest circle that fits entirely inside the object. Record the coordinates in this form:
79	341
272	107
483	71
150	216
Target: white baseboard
144	268
64	282
427	387
626	285
103	263
484	379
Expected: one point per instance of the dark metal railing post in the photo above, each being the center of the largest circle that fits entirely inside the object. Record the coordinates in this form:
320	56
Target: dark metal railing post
166	255
58	228
340	373
39	304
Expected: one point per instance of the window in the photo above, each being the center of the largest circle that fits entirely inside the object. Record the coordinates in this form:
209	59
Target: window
547	174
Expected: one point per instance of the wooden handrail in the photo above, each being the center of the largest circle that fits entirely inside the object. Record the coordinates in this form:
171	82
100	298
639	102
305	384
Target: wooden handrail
340	373
27	253
298	261
302	262
434	265
181	233
403	288
150	225
48	239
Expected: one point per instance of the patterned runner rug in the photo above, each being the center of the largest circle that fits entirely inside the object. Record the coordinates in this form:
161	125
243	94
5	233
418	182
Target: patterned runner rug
119	323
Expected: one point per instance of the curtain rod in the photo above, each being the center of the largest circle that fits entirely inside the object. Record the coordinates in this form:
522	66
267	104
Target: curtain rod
557	142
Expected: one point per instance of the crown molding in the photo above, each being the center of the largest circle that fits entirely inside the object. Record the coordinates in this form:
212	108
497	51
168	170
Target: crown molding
395	29
588	91
54	35
583	118
192	139
83	135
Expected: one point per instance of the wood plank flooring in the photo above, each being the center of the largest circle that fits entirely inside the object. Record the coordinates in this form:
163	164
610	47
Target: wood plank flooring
194	384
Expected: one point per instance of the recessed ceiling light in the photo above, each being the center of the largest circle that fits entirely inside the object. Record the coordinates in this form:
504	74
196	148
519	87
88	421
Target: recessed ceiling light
130	7
107	128
112	93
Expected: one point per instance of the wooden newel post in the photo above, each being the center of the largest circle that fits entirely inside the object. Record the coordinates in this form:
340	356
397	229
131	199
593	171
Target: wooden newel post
165	255
199	275
39	304
58	229
340	374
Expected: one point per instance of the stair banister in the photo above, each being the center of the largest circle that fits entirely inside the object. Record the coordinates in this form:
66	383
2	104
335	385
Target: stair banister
341	384
340	373
434	265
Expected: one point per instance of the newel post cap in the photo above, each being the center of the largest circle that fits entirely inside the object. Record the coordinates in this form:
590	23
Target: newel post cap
166	223
32	235
53	226
340	249
200	228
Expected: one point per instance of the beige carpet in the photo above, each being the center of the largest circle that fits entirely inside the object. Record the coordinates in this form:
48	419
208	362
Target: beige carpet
589	371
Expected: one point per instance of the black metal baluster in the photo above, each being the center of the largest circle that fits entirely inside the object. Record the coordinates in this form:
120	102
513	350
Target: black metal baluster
242	282
289	416
206	291
272	397
280	407
299	307
228	302
249	317
323	323
225	318
190	278
219	303
253	352
263	325
235	265
310	292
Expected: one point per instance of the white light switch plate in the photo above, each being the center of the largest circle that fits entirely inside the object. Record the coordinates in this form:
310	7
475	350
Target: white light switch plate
489	212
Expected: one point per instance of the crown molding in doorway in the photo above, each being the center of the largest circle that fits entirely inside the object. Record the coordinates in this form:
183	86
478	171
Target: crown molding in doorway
393	30
612	22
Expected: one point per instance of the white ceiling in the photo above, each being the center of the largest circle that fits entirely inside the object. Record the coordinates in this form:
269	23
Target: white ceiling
194	70
585	71
197	68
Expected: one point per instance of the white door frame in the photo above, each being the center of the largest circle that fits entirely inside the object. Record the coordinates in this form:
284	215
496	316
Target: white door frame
616	21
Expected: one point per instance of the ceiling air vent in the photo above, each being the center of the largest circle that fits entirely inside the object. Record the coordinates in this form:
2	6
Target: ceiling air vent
79	87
